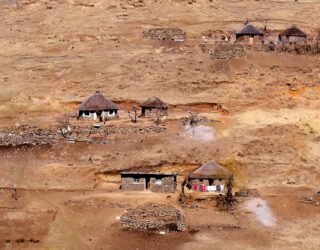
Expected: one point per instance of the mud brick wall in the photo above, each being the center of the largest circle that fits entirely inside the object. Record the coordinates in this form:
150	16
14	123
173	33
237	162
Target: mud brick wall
168	185
246	39
153	113
206	182
127	183
195	182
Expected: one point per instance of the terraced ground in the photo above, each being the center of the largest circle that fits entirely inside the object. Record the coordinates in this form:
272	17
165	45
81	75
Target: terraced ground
56	53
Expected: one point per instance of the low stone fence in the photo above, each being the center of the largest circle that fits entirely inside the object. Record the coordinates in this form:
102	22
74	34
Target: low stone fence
165	34
224	50
151	216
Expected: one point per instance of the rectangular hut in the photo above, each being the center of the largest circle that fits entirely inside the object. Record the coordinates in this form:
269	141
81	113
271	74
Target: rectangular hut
155	182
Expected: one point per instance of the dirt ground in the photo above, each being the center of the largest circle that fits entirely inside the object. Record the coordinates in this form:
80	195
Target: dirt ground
54	54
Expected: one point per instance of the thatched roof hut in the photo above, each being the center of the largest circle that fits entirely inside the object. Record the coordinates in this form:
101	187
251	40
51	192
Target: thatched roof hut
210	170
293	32
97	102
249	30
154	102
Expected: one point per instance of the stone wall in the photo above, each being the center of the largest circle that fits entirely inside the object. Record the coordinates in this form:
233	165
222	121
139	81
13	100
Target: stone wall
127	183
224	50
150	216
168	185
248	39
152	113
173	34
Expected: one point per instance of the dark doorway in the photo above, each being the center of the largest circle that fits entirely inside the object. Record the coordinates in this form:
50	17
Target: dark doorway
147	182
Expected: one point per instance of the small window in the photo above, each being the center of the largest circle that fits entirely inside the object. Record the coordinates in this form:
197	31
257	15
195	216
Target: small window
86	113
136	180
111	112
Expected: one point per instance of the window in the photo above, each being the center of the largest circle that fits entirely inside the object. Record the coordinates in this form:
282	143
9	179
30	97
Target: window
86	113
111	112
136	180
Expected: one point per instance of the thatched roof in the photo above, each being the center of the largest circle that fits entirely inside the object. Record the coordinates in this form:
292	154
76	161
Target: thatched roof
293	31
249	29
97	102
210	169
154	102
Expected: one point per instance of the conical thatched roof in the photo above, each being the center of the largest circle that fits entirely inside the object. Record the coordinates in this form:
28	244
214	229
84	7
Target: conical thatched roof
210	169
293	31
249	29
97	102
154	102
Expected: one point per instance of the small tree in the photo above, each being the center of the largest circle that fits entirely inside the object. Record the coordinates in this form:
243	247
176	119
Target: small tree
158	115
64	125
193	118
133	114
226	202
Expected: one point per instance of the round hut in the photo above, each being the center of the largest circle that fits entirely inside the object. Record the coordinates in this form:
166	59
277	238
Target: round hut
210	177
98	107
293	35
153	104
249	34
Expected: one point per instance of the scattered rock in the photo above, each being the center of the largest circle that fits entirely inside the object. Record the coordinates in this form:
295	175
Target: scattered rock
312	200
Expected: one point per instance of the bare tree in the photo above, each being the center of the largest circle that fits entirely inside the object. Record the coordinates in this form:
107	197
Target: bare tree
193	118
226	202
157	117
133	114
264	20
318	42
64	125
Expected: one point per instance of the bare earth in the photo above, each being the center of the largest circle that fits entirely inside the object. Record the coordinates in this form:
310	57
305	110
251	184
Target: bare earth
56	53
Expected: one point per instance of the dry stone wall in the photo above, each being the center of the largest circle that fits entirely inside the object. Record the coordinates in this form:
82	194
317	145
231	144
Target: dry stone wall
128	184
151	216
224	50
165	34
168	185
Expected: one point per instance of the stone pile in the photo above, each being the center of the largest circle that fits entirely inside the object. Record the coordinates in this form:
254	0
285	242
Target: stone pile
123	130
29	136
32	136
312	200
88	204
132	3
224	50
247	193
215	35
197	121
171	34
151	216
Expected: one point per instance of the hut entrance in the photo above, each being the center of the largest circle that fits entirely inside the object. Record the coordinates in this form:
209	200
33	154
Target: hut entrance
250	40
147	182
